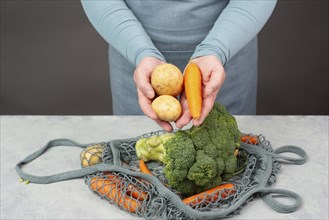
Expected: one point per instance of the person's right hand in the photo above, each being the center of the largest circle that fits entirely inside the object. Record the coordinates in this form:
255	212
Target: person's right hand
145	91
213	76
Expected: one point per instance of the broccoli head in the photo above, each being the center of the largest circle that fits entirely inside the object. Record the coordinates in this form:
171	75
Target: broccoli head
198	158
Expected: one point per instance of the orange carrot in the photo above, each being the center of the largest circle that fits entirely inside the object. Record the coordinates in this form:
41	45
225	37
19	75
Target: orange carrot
113	191
210	195
131	190
136	192
248	138
192	84
104	186
143	168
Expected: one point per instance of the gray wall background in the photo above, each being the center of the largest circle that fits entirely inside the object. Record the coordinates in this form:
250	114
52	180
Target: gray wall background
53	61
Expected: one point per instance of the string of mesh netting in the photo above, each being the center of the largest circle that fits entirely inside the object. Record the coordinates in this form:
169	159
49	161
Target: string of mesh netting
140	197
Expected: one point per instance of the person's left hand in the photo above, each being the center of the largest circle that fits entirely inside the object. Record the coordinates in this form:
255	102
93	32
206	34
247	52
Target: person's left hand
213	77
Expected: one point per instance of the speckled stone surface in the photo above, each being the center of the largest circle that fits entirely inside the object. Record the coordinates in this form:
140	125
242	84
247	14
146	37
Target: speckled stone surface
23	135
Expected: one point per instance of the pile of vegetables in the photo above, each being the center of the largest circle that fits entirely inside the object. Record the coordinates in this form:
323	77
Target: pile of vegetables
199	158
196	161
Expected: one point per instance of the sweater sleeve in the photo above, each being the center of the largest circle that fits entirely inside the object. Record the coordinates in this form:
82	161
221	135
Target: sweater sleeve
238	24
115	22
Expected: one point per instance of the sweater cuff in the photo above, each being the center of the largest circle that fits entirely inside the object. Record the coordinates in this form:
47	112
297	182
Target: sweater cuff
148	52
204	50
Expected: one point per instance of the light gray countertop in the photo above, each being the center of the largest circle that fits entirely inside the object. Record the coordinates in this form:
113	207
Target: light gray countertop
23	135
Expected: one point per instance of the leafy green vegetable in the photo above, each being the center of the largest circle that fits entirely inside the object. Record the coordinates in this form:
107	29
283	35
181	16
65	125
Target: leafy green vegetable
198	158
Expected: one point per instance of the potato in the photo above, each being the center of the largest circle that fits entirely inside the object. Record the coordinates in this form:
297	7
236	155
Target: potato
167	79
167	108
92	155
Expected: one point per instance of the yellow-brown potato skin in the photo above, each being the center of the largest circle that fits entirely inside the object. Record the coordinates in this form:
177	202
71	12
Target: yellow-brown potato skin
167	108
167	79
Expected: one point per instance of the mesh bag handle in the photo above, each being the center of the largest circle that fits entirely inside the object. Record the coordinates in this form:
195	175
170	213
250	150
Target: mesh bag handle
280	207
60	176
290	149
266	192
268	197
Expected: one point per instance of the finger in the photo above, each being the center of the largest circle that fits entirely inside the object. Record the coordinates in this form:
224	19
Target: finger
164	125
186	117
216	81
207	105
145	105
142	81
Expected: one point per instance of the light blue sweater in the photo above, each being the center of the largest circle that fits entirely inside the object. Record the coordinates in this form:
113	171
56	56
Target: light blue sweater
135	27
176	31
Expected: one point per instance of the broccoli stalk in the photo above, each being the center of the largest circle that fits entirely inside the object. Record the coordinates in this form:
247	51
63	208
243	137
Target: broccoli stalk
152	148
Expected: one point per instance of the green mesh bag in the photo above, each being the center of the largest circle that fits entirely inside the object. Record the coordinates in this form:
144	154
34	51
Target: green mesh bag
111	171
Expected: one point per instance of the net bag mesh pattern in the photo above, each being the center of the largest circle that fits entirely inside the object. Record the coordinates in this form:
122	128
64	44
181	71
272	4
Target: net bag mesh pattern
145	198
111	171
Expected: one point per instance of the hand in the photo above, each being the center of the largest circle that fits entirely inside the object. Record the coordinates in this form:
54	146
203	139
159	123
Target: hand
145	92
213	77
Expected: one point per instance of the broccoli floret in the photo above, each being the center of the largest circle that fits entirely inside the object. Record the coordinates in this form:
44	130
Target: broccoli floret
203	170
220	165
174	175
179	158
230	164
215	182
231	126
186	187
180	151
201	141
200	137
